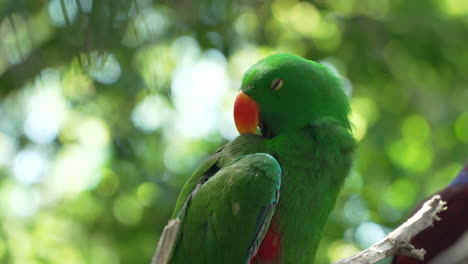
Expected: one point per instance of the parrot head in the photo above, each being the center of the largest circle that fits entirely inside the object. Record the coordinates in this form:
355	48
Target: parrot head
284	92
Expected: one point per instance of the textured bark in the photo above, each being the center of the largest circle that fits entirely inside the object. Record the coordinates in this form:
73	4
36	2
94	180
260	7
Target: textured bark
398	241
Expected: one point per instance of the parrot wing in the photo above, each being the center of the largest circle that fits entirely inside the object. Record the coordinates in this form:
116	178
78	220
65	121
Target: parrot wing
198	178
227	211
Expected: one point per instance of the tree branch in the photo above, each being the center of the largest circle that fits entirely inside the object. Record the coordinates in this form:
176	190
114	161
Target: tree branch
398	241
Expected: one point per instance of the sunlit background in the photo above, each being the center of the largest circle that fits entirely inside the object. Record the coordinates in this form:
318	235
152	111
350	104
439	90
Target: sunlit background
106	107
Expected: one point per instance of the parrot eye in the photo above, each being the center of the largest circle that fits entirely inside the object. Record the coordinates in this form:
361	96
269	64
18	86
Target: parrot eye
276	84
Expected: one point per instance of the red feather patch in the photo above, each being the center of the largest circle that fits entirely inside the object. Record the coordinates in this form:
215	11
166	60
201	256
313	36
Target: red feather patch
270	248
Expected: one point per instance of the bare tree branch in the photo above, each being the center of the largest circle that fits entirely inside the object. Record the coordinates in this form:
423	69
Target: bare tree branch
398	241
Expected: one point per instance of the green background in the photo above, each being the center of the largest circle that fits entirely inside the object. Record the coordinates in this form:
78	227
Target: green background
106	107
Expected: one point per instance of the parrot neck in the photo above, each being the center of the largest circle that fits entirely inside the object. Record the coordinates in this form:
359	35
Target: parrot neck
315	162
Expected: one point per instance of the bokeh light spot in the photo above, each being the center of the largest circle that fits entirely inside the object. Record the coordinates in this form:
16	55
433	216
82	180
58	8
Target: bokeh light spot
366	107
226	125
76	84
182	153
29	166
58	16
155	65
197	89
454	7
185	50
150	24
147	192
247	23
354	183
75	169
7	149
355	210
241	60
109	183
359	125
340	249
93	133
24	202
414	156
104	68
46	108
127	210
401	194
151	113
304	17
368	233
16	42
415	128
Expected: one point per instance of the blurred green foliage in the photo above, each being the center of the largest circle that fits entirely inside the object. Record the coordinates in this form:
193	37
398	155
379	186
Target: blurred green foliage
106	107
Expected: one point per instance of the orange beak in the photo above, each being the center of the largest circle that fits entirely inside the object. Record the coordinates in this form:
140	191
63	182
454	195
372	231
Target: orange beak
245	114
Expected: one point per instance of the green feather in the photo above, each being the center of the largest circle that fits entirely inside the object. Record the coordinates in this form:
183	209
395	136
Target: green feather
236	194
306	130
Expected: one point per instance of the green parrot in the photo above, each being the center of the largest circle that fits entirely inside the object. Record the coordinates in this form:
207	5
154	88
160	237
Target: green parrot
265	196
